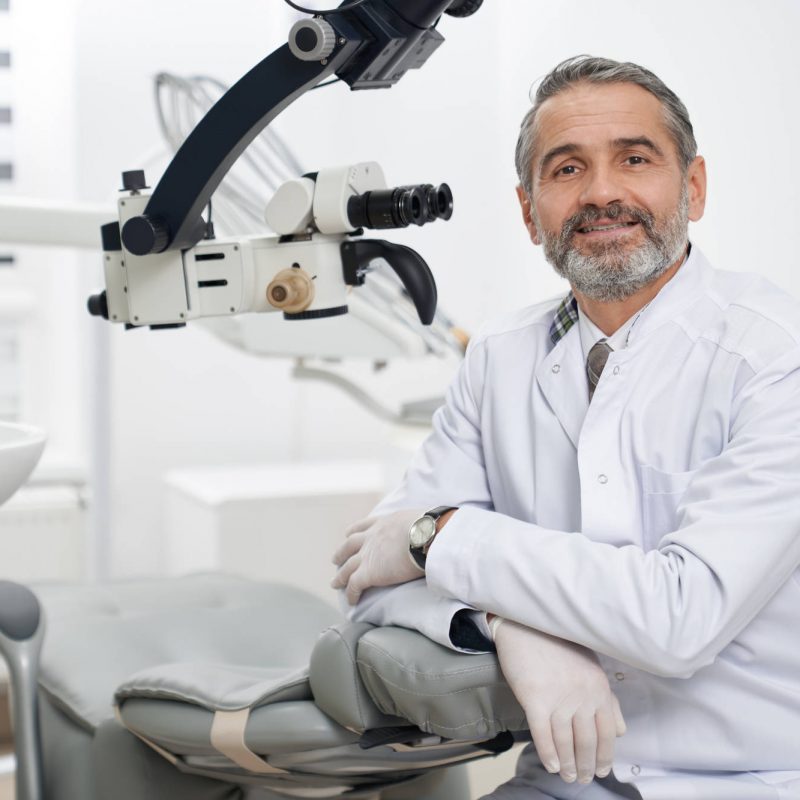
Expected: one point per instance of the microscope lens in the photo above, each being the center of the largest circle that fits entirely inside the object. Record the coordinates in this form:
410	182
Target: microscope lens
400	207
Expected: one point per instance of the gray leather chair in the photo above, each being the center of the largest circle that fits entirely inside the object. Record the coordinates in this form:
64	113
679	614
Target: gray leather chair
212	687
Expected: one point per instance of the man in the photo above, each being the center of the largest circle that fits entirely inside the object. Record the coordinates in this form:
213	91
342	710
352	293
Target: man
622	473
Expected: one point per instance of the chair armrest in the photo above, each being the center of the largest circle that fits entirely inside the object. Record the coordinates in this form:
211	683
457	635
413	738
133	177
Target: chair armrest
21	634
335	682
459	696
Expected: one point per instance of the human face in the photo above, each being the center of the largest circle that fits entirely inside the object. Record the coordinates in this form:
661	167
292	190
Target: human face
610	201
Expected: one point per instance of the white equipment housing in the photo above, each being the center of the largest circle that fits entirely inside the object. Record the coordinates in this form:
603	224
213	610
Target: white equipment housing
221	277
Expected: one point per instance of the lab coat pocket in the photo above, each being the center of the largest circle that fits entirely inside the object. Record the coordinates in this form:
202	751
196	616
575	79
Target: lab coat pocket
661	496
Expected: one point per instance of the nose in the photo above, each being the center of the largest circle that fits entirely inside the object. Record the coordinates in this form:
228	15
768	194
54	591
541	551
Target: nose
601	187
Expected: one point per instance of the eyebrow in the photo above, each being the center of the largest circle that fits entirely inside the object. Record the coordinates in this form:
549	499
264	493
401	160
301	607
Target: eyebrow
561	150
620	144
639	141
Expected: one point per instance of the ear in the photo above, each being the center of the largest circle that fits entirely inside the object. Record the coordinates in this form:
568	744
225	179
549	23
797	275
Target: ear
525	204
696	182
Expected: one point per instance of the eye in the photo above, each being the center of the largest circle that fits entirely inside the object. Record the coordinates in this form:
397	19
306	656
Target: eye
567	169
635	161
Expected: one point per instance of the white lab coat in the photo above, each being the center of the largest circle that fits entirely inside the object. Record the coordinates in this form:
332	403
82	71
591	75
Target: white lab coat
659	526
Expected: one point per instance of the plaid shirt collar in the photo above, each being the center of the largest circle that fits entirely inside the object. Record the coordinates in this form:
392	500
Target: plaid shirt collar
565	317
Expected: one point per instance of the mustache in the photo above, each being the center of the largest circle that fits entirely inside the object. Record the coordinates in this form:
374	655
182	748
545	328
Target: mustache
614	211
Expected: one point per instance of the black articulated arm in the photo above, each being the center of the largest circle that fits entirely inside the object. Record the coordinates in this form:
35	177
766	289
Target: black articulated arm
175	208
371	45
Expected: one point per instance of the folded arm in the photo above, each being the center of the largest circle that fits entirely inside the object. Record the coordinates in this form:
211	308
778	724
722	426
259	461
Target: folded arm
447	470
670	610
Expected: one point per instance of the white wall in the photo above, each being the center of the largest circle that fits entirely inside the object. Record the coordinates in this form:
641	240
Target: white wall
44	140
181	399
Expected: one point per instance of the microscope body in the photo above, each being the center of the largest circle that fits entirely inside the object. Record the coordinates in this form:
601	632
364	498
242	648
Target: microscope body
304	272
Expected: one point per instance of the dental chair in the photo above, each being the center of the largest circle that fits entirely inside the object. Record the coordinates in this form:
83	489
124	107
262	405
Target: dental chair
214	686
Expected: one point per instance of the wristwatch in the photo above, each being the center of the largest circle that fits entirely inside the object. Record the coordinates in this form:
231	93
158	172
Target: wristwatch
421	533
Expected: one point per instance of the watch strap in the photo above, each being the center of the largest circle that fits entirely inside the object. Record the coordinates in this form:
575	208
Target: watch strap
418	557
439	511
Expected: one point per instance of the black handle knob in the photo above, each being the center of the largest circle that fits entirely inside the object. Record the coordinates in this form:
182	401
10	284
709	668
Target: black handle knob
98	305
143	235
133	180
417	278
408	264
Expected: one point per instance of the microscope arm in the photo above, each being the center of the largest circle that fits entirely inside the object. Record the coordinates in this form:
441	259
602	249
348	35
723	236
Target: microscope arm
172	219
153	252
369	46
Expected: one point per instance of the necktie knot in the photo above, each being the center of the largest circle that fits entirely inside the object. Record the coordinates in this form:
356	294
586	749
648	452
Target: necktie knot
595	363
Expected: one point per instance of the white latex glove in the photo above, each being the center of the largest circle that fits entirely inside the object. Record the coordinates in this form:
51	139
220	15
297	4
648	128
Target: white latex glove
573	715
375	553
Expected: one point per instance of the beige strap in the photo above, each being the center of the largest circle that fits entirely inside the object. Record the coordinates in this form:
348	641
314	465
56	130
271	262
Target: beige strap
171	757
227	736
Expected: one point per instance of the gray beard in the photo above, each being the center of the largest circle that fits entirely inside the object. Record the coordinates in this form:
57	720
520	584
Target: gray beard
612	271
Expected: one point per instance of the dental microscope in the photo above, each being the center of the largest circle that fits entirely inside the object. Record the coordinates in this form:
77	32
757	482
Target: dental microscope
163	264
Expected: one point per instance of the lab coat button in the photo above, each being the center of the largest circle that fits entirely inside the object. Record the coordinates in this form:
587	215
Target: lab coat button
636	769
556	367
620	676
602	478
616	370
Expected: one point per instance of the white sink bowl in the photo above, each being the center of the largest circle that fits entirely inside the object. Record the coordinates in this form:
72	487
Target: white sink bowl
21	448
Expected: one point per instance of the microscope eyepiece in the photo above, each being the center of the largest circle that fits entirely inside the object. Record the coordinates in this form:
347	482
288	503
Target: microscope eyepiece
400	207
437	199
440	201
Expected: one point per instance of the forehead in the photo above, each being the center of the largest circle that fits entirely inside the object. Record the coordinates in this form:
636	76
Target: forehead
591	115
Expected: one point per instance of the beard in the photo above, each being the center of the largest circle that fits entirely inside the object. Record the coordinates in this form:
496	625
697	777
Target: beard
615	270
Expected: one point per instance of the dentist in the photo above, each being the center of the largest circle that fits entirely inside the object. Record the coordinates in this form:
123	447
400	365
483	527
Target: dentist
613	485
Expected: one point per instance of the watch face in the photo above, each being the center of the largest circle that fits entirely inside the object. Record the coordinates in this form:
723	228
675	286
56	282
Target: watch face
422	531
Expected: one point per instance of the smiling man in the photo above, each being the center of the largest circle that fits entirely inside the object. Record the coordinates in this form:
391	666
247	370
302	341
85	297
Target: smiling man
613	485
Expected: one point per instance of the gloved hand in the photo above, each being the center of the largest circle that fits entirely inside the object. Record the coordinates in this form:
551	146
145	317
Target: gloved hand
573	715
375	553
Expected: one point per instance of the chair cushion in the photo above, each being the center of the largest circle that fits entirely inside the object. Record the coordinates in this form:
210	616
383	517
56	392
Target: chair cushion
185	729
97	636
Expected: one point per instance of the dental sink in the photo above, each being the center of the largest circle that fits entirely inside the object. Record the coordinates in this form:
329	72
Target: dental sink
21	448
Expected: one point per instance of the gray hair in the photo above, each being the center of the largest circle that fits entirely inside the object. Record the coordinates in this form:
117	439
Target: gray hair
590	69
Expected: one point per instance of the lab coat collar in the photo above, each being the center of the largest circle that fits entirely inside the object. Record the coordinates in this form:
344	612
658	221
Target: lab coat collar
676	295
561	376
590	333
